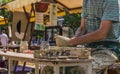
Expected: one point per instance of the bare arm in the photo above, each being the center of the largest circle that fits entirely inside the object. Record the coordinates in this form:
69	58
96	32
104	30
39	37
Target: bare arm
97	35
81	30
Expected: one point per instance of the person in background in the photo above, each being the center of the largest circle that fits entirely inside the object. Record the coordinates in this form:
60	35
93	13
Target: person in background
4	39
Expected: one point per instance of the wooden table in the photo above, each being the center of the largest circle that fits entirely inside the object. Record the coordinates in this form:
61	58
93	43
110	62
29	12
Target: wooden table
14	48
57	63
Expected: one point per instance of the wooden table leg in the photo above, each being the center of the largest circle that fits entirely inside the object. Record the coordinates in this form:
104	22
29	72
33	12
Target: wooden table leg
23	68
63	70
10	65
16	64
89	69
36	68
56	69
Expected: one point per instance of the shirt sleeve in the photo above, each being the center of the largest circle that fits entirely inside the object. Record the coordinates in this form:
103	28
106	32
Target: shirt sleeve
83	9
112	10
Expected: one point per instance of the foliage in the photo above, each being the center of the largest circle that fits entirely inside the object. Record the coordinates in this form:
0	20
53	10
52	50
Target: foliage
5	1
72	20
6	12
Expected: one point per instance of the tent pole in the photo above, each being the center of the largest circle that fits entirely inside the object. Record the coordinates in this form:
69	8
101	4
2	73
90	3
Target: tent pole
32	30
28	21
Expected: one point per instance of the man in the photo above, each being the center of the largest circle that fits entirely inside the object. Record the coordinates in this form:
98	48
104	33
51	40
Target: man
101	20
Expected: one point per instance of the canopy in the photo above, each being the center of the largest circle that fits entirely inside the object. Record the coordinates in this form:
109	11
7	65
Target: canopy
72	6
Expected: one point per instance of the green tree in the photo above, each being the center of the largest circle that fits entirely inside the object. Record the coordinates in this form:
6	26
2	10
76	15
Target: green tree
72	20
4	13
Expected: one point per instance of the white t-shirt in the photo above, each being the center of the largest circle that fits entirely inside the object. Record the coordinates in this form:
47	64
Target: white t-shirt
4	39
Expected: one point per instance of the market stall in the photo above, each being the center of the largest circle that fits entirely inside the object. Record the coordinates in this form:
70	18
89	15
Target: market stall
45	16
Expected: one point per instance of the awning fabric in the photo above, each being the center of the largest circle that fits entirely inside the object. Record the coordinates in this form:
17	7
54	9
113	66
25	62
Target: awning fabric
16	4
2	20
73	6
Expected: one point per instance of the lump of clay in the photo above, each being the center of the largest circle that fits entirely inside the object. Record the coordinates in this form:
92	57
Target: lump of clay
62	40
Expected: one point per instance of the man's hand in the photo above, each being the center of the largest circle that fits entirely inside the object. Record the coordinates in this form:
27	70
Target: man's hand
62	41
80	31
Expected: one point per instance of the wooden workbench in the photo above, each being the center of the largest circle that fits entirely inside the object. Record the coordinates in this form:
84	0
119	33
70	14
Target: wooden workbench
56	63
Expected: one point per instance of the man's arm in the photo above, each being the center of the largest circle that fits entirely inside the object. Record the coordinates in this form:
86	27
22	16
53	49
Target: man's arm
81	30
97	35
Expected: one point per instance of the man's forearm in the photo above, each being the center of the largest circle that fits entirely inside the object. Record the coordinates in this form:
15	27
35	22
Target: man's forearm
97	35
81	30
88	38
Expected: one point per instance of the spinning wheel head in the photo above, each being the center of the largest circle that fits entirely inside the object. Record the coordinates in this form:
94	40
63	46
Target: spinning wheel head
103	58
